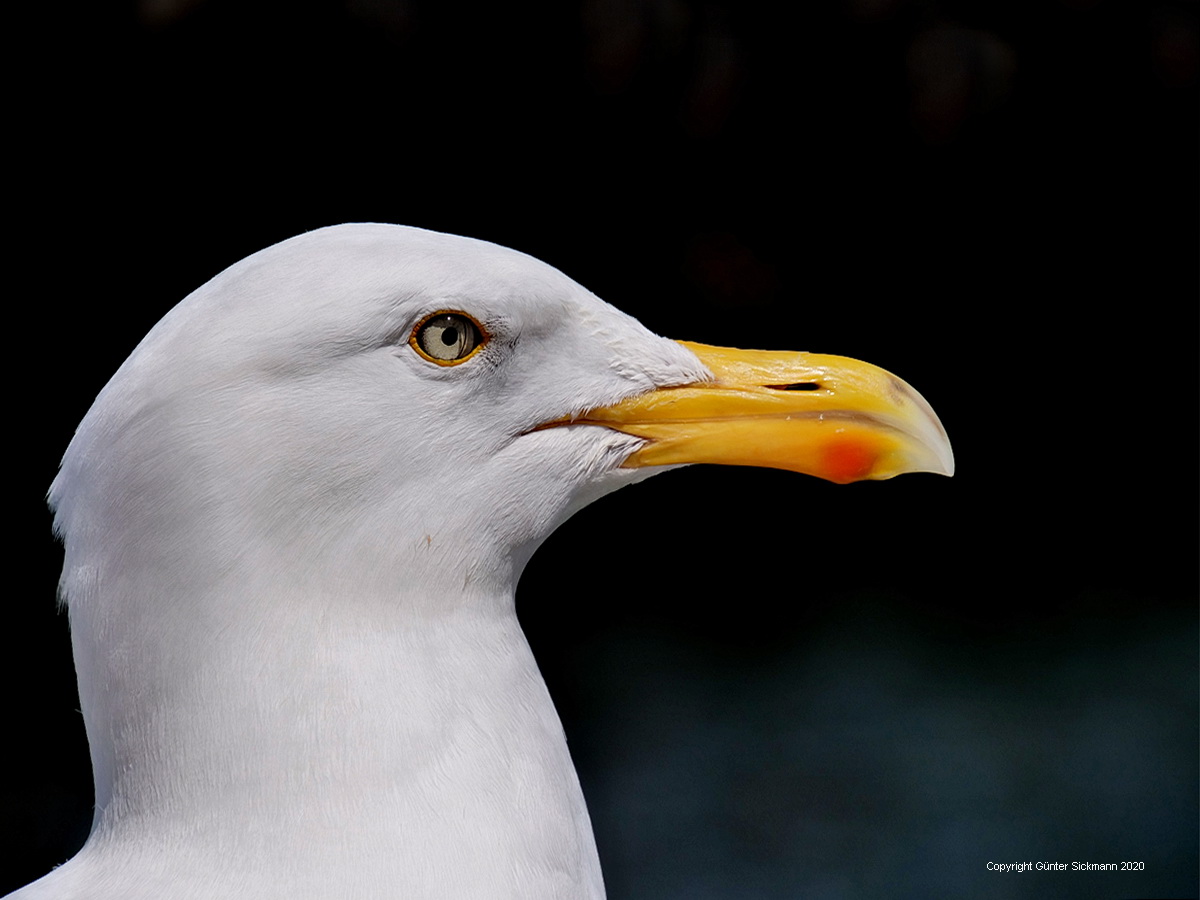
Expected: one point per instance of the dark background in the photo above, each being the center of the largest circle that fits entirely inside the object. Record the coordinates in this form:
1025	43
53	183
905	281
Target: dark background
808	690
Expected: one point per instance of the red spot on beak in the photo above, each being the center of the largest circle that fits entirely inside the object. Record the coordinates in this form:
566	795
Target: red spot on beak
848	460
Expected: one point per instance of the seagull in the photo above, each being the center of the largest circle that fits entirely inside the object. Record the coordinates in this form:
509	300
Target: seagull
294	521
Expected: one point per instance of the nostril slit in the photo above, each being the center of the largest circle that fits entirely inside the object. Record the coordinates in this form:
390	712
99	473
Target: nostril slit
799	386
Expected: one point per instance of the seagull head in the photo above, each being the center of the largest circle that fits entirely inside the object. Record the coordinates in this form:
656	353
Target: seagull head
368	407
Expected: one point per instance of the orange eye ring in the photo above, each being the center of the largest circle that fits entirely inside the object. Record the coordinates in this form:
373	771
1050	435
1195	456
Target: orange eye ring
448	337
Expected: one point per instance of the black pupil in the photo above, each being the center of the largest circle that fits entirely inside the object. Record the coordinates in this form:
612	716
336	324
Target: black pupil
450	336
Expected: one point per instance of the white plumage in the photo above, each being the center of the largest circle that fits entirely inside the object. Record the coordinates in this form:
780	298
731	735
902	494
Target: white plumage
292	542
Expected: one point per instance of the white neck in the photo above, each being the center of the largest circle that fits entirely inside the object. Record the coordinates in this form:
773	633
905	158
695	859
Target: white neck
314	748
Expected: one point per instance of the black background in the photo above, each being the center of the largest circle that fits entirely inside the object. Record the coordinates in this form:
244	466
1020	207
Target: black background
773	687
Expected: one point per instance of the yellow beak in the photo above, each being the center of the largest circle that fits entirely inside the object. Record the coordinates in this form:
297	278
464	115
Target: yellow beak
829	416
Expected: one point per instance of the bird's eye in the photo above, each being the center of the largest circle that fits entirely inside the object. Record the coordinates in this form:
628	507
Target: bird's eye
447	338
